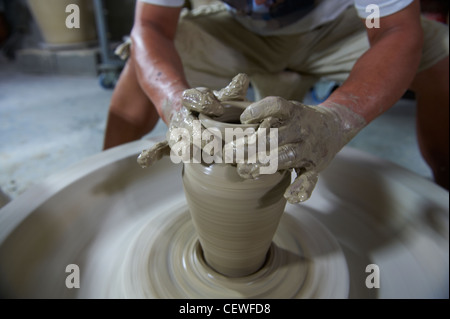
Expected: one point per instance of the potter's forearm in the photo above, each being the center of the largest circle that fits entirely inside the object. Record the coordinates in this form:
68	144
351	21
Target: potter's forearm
160	71
383	74
378	80
159	67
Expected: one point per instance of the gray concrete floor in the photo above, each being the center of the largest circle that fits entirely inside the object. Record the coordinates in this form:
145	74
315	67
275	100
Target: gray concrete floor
49	122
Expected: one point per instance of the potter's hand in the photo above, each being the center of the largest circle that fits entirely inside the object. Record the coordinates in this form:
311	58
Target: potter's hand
184	127
149	156
308	139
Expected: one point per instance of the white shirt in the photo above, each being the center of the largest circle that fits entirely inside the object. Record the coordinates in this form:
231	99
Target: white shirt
387	7
323	11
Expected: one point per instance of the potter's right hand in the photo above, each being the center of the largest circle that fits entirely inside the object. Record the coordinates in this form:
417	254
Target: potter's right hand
182	131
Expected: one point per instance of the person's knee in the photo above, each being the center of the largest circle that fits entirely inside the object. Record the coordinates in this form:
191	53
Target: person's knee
440	168
129	102
432	96
139	114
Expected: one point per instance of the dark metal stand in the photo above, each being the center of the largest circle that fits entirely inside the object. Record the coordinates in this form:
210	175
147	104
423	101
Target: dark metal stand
110	66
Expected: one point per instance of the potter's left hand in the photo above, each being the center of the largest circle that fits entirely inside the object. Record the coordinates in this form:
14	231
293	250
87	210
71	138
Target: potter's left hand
194	101
308	139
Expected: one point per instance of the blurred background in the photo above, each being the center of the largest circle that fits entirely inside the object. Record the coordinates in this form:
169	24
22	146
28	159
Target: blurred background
56	84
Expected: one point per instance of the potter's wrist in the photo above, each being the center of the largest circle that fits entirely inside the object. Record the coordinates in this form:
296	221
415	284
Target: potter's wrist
349	122
170	106
167	111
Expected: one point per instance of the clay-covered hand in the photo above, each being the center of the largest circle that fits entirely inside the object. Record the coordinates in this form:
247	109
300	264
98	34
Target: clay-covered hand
308	139
184	127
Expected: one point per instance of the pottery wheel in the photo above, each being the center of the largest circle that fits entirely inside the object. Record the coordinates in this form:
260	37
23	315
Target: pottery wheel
129	232
163	259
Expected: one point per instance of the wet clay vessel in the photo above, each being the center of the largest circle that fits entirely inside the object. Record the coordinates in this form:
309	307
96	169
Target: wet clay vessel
235	218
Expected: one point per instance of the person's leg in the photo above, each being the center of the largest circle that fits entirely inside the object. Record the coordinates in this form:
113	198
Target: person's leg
432	96
330	51
131	114
214	48
211	46
431	89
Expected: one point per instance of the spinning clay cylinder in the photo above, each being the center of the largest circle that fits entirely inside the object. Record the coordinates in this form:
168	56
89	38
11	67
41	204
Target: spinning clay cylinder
235	218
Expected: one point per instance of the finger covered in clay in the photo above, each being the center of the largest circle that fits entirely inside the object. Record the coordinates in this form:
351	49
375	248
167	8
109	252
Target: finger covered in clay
269	107
236	90
302	187
149	156
202	100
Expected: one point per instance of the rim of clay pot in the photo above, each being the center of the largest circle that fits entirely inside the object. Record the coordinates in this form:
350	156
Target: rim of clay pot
230	118
226	172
